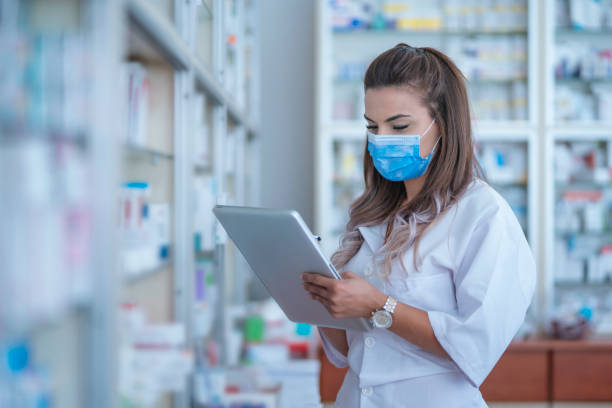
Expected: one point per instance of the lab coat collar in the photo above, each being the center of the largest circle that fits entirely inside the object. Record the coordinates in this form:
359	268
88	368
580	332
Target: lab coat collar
374	235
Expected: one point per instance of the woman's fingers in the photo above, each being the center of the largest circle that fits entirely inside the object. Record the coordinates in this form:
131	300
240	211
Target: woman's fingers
319	294
316	289
349	275
326	291
323	301
331	308
317	279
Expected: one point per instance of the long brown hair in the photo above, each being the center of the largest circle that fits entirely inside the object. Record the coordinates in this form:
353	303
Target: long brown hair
441	85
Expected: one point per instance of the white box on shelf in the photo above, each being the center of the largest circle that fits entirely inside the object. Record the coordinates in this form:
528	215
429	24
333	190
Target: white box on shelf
595	271
138	89
166	335
159	217
200	134
205	192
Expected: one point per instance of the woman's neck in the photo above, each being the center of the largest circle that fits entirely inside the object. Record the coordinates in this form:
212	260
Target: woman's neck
413	186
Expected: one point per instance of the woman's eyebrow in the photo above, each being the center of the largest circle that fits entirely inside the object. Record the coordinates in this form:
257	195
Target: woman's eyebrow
392	118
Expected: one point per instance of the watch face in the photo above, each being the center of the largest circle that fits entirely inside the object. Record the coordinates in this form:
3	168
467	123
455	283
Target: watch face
382	319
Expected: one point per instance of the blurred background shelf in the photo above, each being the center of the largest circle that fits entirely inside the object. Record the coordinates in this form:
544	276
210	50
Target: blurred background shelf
519	118
579	57
399	32
146	152
579	285
350	36
134	277
578	33
587	131
132	133
157	24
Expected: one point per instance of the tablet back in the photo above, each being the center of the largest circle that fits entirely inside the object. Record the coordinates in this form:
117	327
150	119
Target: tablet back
278	246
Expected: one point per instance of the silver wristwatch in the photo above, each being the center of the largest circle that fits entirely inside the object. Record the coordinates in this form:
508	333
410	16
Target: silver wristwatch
383	318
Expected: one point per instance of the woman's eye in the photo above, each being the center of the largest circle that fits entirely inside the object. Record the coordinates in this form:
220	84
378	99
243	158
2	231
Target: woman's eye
400	127
371	127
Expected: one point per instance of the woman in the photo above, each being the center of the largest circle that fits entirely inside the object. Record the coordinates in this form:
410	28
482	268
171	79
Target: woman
431	253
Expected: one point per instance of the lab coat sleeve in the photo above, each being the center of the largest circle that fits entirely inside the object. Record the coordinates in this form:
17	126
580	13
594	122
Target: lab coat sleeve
494	284
333	354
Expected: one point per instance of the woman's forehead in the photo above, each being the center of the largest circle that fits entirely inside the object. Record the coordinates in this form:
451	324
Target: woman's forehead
392	100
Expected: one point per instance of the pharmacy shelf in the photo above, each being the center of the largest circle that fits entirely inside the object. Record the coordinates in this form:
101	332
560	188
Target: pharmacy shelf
480	82
502	126
169	41
503	133
340	142
564	87
205	255
18	132
146	273
206	80
530	184
152	158
214	89
554	134
33	329
144	151
539	134
606	285
350	48
484	136
232	127
597	234
585	132
582	185
561	32
582	81
504	183
207	7
89	374
72	341
161	30
203	168
220	108
435	32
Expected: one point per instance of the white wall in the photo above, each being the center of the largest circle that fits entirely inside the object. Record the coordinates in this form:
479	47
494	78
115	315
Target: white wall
287	105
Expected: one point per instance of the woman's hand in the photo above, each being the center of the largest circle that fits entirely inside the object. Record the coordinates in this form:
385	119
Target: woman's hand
352	296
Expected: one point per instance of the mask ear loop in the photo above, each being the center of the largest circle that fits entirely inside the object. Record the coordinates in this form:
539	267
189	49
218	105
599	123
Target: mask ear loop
428	127
433	149
437	140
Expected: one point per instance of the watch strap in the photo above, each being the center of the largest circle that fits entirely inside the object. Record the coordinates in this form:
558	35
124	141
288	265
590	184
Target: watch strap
390	304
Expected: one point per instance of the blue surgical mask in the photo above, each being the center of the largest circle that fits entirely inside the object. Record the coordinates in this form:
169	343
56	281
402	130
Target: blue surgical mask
397	157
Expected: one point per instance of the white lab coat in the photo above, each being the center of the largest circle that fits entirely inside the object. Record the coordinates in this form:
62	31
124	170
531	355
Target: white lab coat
476	281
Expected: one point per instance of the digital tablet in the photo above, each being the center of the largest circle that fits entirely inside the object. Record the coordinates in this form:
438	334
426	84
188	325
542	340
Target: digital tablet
279	247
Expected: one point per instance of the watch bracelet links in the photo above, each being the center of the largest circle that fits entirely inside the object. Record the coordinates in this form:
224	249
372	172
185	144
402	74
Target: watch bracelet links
390	304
